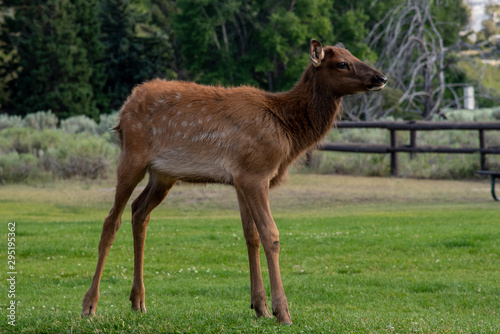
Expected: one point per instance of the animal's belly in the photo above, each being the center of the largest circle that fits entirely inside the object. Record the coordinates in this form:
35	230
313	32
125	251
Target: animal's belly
193	166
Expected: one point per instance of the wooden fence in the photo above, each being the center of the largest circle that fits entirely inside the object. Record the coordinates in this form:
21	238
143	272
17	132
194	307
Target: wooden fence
393	149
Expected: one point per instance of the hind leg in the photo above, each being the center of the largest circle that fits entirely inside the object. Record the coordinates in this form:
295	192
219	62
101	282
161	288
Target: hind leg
150	198
128	177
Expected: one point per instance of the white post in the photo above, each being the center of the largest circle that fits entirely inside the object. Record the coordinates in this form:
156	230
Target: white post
469	98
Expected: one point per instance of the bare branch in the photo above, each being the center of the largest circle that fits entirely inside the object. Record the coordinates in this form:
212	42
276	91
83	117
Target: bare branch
412	55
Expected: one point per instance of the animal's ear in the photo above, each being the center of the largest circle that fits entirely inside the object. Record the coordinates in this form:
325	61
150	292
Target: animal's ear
340	45
317	54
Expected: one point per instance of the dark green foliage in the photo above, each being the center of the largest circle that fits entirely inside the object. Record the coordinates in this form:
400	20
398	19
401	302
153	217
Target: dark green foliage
451	17
90	28
131	56
258	43
84	57
58	55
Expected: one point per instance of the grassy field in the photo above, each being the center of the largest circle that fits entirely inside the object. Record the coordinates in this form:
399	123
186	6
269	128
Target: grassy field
359	255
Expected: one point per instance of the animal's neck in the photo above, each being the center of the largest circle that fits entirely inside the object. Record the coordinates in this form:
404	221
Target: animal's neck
308	111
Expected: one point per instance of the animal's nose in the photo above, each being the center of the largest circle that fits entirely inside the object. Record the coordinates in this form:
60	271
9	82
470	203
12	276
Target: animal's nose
382	78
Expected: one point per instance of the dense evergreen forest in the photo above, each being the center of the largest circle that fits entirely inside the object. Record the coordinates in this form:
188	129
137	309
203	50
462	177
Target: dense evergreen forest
82	57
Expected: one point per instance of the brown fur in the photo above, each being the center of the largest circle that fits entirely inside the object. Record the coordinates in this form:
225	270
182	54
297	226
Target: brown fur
240	136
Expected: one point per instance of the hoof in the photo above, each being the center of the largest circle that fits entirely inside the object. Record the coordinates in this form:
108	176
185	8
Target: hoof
285	322
138	305
88	311
283	317
89	306
138	299
141	307
261	311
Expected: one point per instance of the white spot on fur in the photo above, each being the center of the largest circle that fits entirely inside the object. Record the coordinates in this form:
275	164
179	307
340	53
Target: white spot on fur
189	105
163	118
200	137
179	112
139	125
178	96
184	123
154	130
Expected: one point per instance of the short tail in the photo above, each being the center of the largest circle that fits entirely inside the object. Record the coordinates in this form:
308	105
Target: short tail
119	132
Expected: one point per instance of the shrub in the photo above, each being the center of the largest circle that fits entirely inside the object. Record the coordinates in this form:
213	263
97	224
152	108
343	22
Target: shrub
84	157
16	167
79	124
438	166
43	140
5	145
496	113
41	120
350	163
476	115
7	121
49	154
17	139
106	123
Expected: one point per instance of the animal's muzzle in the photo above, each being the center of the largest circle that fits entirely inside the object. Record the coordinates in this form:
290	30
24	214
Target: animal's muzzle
381	78
379	82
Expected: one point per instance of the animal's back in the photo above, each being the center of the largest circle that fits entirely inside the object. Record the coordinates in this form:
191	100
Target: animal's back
201	133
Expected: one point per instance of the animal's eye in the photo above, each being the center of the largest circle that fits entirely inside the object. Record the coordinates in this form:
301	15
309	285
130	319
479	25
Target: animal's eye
343	65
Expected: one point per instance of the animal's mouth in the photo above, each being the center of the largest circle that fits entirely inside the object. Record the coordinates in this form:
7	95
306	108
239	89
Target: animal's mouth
374	88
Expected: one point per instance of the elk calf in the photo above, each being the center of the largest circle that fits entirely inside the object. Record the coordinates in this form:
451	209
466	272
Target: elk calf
243	136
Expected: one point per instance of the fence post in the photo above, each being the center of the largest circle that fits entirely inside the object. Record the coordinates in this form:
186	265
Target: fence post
482	146
413	141
394	155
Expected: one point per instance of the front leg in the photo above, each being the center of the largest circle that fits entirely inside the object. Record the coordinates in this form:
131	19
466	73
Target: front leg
258	293
256	195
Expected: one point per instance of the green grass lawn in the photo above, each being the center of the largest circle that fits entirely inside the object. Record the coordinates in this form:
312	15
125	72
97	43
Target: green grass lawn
359	255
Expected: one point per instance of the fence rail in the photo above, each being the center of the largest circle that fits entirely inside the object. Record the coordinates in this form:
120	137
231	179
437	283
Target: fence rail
393	149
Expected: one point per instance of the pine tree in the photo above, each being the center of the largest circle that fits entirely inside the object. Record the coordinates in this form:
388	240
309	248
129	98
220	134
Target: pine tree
57	56
132	56
90	31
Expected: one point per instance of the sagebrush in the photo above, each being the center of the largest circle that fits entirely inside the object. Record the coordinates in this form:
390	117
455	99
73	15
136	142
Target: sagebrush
34	149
